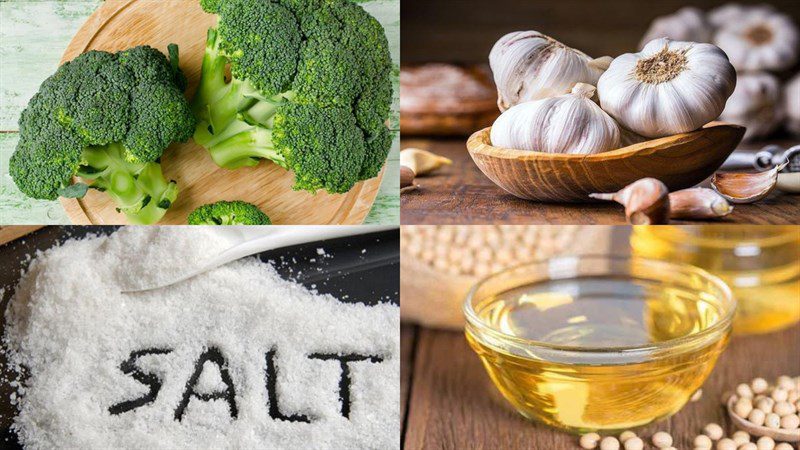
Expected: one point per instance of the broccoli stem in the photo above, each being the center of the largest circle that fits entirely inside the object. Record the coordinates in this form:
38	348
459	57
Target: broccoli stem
263	111
223	111
212	79
234	118
139	189
240	145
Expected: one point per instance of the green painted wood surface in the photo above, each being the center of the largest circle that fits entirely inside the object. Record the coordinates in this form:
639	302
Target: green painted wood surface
33	36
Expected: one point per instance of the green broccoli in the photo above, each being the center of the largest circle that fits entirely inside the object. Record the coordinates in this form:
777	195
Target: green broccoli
107	118
236	212
310	90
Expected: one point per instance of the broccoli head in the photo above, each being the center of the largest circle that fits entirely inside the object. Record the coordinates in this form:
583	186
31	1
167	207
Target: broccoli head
310	89
236	212
107	118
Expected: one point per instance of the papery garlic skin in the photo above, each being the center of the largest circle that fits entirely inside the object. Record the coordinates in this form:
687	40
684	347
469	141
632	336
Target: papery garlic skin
791	104
686	24
528	65
570	123
669	87
760	40
732	12
756	104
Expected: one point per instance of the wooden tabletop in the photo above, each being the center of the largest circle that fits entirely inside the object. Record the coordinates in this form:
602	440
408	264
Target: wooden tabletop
448	401
461	194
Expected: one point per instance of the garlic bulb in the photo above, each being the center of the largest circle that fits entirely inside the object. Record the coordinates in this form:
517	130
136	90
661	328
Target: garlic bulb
791	104
756	103
760	40
570	123
732	12
686	24
669	87
528	65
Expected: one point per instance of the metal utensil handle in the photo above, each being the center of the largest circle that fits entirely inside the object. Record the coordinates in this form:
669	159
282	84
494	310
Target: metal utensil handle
761	160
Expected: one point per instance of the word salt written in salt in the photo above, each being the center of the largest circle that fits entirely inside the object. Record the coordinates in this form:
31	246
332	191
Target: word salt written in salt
237	357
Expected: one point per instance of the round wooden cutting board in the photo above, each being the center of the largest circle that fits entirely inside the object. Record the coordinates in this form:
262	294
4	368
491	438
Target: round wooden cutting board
121	24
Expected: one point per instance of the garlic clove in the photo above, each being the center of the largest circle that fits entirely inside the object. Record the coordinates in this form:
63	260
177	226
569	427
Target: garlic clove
646	201
422	162
698	203
743	187
601	63
407	179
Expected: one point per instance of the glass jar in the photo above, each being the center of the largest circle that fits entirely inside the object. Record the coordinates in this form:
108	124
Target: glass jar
761	264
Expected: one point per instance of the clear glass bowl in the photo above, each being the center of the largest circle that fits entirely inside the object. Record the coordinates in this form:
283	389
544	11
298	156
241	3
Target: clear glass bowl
599	342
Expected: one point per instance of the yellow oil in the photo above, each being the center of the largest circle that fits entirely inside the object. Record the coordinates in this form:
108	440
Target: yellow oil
602	386
761	265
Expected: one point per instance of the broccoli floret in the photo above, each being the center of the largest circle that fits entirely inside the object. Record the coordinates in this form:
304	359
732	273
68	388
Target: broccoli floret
310	89
107	118
228	213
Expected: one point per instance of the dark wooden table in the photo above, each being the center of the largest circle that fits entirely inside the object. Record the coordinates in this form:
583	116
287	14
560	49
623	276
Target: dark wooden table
461	194
448	401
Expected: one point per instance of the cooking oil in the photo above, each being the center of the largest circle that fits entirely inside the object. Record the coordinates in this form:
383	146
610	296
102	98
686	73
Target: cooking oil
761	264
599	352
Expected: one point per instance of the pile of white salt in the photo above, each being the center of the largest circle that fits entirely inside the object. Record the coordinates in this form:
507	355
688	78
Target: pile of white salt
234	358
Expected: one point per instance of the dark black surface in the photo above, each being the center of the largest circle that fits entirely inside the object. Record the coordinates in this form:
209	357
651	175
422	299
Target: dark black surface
363	269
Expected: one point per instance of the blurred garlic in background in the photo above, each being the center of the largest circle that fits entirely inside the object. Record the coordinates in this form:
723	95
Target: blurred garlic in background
528	65
686	24
669	87
571	123
756	103
733	12
760	40
791	95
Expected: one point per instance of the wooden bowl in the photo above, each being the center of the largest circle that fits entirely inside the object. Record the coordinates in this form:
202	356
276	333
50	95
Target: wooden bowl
779	435
680	161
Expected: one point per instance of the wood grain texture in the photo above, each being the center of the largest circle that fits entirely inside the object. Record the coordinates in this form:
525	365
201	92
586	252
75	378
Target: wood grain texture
452	404
679	161
462	194
121	24
8	234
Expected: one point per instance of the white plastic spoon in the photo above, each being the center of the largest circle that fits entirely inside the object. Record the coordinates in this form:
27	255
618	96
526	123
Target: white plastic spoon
261	239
